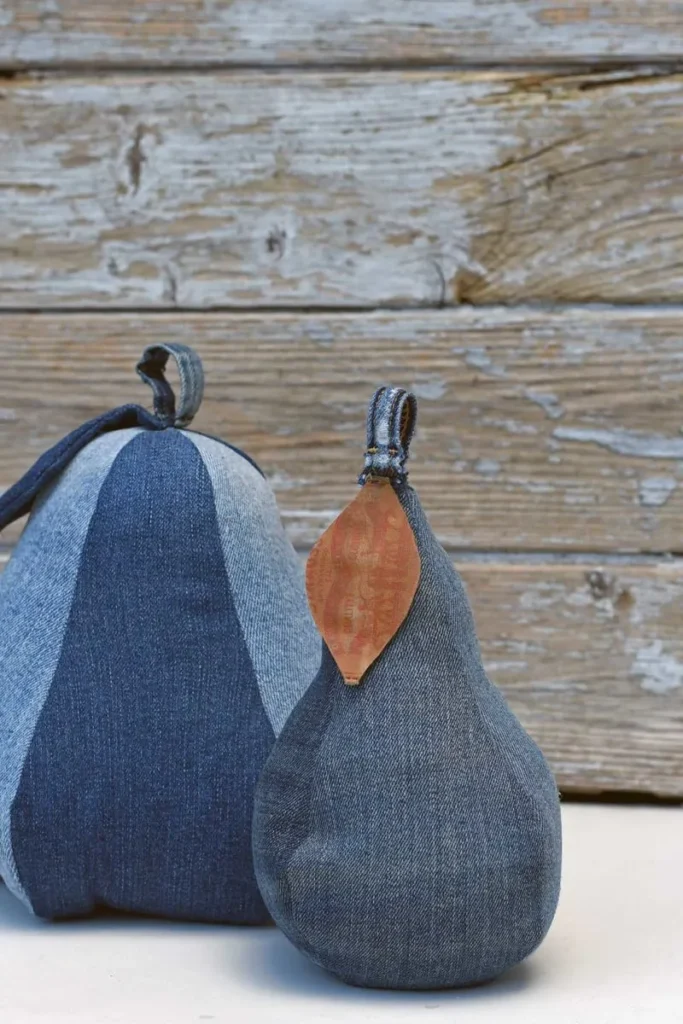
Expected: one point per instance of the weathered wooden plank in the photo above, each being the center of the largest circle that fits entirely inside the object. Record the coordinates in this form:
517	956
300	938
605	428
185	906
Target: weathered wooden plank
339	189
50	32
591	660
537	431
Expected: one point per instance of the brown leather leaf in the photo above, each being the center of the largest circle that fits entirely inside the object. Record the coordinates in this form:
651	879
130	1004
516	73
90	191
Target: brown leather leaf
361	578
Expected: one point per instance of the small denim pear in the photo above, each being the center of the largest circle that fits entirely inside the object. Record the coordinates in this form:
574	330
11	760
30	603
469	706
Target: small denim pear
406	829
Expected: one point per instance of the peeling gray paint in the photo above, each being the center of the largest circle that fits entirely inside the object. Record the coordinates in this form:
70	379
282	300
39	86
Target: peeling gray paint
625	442
487	467
655	491
559	686
505	666
284	482
533	486
509	425
479	359
661	672
548	402
651	598
430	389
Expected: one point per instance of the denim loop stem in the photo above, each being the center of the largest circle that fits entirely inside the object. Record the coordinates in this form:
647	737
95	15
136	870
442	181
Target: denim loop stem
390	426
151	369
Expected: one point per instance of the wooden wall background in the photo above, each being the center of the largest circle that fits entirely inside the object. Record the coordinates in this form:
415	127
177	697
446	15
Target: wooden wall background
480	199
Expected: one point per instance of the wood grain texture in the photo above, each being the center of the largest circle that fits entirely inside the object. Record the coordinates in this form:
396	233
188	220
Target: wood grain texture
51	32
536	431
331	189
590	658
592	662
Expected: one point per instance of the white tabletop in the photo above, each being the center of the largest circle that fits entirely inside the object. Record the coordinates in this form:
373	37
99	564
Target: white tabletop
614	954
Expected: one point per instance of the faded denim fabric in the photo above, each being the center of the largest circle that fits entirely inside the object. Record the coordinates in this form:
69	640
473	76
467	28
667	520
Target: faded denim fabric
389	430
266	580
135	709
36	591
191	372
407	830
19	499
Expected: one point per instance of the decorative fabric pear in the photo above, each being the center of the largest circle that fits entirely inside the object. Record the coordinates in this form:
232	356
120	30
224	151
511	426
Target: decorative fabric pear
406	828
154	637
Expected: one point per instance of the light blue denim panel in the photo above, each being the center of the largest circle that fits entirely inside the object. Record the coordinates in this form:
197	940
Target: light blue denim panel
266	579
37	587
407	830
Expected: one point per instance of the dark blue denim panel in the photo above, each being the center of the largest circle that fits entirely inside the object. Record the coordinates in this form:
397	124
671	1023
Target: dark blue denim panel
407	830
17	501
137	791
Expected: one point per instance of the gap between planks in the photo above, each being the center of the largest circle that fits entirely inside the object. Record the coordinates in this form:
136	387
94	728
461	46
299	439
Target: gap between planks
512	309
643	66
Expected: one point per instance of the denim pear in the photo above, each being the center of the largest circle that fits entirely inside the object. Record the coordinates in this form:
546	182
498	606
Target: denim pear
154	636
407	829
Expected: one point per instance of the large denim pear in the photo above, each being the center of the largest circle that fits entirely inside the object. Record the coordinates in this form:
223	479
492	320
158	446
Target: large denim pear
407	829
154	636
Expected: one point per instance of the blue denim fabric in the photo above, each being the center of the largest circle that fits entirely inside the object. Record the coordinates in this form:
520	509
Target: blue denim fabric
266	579
36	591
407	830
389	431
17	501
151	369
144	673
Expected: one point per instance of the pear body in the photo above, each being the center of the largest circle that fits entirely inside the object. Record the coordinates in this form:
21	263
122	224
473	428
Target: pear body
154	636
407	830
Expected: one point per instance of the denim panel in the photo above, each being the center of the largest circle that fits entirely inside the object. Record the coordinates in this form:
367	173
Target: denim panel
407	830
137	792
18	499
36	591
225	444
267	580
